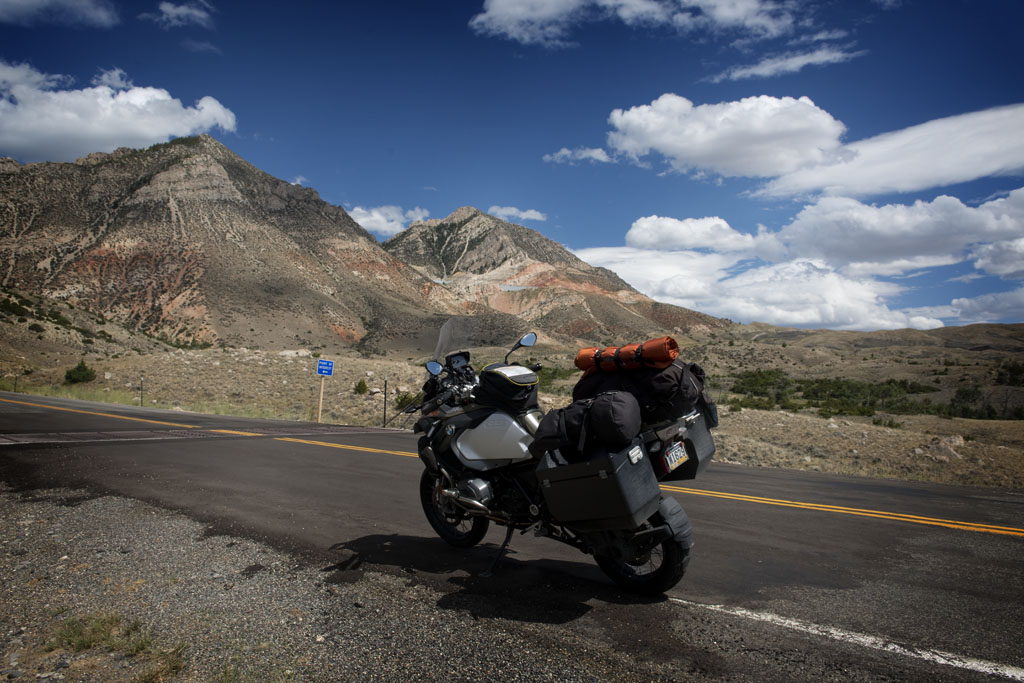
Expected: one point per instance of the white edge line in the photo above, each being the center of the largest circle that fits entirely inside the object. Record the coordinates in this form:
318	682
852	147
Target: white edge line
874	642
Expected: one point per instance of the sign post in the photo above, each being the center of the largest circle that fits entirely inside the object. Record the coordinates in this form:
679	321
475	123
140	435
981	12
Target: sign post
324	368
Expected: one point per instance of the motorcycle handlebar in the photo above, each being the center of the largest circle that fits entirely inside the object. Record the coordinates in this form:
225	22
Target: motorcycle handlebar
434	403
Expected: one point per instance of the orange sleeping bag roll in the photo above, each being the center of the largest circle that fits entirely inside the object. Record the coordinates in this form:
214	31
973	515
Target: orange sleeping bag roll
654	353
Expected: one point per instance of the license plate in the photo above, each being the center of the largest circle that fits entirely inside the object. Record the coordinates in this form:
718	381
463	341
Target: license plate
675	456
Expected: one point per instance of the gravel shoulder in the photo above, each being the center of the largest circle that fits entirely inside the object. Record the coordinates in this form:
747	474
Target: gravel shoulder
221	608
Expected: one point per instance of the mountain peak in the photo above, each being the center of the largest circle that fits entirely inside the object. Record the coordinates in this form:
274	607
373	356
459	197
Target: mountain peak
513	269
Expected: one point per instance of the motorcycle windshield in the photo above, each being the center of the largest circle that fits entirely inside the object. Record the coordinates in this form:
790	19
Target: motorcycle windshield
458	334
464	332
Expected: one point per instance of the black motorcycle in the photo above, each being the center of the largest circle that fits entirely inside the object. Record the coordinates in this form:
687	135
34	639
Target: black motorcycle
603	499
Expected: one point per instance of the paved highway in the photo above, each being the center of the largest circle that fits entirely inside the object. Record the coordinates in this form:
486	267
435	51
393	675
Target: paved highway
793	572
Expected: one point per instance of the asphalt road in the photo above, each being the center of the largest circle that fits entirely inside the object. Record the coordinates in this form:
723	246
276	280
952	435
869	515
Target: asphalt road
849	578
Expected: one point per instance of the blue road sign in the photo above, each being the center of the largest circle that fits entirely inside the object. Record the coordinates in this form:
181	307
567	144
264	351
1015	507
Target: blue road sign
325	367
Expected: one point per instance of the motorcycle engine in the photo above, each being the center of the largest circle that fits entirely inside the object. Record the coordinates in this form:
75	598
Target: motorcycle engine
477	489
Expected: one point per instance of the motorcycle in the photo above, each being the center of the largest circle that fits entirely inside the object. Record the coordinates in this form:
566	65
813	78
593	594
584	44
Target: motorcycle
477	430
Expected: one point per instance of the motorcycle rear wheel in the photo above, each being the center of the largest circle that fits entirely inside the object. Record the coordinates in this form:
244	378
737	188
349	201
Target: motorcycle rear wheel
652	574
452	524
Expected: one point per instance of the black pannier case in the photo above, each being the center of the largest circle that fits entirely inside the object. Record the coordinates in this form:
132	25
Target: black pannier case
611	490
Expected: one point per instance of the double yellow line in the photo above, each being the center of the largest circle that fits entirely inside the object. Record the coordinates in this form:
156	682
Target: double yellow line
877	514
818	507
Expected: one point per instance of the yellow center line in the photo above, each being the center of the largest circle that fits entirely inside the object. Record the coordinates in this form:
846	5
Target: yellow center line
91	412
232	431
878	514
347	447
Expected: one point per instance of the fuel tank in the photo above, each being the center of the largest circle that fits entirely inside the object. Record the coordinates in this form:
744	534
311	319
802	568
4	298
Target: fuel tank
497	441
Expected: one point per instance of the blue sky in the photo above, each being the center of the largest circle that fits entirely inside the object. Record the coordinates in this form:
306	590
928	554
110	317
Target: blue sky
845	164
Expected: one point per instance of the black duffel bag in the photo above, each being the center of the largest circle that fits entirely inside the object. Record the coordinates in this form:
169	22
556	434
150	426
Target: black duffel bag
611	419
663	393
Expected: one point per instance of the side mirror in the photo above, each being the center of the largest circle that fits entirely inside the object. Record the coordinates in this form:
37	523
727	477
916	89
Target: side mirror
434	368
528	339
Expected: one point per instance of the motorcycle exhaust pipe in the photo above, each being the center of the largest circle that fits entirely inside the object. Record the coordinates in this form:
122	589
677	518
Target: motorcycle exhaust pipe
471	505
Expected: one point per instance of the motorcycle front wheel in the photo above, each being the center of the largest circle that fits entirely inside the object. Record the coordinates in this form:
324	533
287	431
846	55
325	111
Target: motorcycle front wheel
653	573
452	524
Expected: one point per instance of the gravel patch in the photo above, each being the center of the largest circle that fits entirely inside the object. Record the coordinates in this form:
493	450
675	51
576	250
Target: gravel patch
237	610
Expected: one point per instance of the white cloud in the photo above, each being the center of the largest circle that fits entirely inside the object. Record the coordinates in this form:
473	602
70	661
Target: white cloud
1005	259
895	238
388	220
657	232
991	307
823	269
40	121
802	292
933	154
200	46
549	22
115	78
757	136
753	18
300	180
787	64
96	13
530	22
509	212
820	37
571	156
797	145
170	15
681	277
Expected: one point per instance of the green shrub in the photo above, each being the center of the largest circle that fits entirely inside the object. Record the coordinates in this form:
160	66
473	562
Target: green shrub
35	327
404	399
360	387
79	373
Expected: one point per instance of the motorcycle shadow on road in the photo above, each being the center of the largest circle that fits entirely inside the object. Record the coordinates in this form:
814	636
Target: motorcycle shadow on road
536	591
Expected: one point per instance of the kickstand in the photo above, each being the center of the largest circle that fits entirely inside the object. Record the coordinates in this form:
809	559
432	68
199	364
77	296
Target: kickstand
501	553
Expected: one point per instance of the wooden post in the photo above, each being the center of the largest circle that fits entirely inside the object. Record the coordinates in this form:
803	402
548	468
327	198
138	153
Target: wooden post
385	424
320	405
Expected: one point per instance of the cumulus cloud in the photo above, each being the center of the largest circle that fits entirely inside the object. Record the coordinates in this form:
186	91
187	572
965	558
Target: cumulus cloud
787	64
388	220
686	278
895	238
658	232
934	154
94	13
757	136
824	268
170	15
43	119
300	180
506	213
571	156
801	292
991	307
1005	259
549	22
798	148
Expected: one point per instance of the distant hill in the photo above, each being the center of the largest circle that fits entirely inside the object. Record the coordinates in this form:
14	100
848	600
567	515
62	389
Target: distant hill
188	242
510	269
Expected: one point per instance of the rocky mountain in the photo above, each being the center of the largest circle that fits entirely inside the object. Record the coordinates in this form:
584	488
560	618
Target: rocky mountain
510	269
187	241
